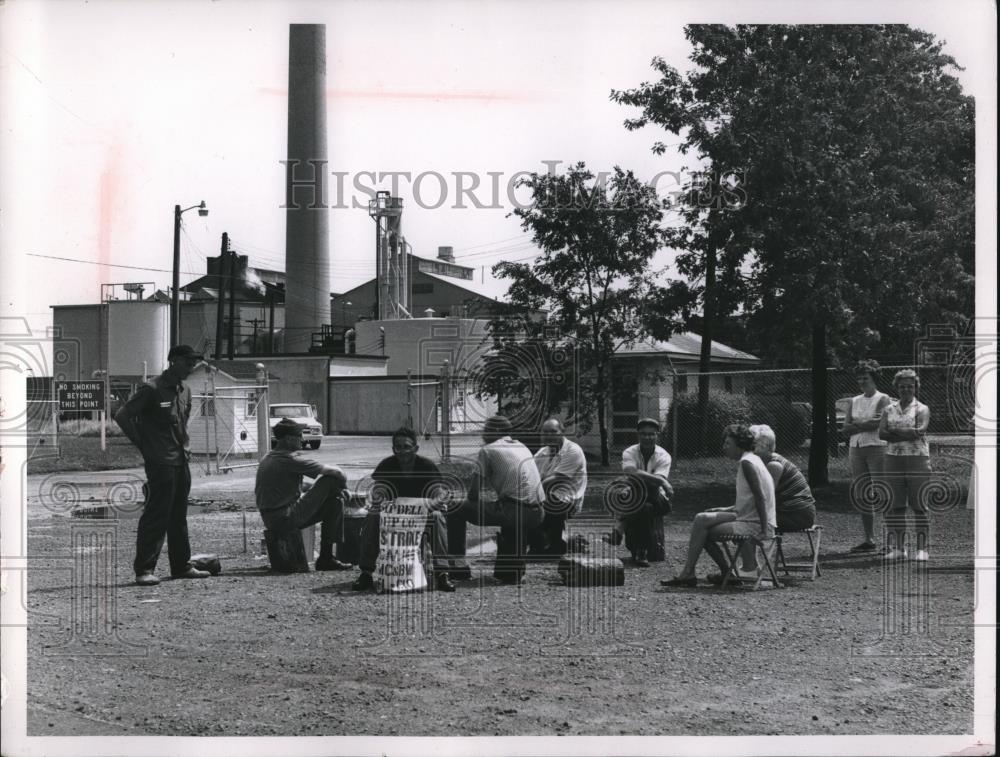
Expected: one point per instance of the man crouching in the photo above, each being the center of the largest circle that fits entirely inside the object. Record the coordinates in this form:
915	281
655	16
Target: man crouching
405	474
285	504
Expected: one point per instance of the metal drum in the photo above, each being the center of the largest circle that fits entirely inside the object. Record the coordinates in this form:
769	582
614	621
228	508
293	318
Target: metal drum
355	514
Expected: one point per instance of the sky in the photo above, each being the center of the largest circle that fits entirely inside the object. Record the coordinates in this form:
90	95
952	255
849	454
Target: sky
115	112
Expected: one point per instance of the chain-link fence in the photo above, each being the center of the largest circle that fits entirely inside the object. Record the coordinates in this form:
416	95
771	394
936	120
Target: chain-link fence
782	400
223	426
42	427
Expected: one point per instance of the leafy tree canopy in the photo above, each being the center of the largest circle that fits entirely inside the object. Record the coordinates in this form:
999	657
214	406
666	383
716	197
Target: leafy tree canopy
597	237
853	151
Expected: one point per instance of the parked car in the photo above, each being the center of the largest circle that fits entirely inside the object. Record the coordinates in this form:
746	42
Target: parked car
304	415
840	408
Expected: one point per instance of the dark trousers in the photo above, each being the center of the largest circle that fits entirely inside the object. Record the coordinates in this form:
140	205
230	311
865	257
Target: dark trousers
548	538
322	504
640	517
644	536
796	520
516	523
436	531
552	532
164	516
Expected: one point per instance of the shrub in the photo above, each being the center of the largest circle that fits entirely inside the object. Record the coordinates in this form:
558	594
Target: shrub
791	428
723	408
86	427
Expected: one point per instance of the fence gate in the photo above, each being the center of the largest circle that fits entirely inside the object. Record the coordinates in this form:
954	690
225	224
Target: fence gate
223	427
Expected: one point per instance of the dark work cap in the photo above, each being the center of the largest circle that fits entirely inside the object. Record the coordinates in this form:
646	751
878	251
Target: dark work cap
183	350
286	427
497	424
651	422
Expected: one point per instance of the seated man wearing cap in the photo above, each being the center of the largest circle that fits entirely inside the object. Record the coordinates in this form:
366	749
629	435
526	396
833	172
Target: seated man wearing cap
405	474
286	505
155	420
647	466
508	468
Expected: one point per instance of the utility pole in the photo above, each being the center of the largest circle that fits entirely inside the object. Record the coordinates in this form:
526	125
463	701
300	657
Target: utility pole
223	281
270	320
175	295
233	265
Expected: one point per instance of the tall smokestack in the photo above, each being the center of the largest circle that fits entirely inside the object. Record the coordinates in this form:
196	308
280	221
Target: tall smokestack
307	231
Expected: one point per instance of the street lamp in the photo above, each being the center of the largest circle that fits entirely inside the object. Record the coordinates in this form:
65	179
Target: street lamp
343	311
175	301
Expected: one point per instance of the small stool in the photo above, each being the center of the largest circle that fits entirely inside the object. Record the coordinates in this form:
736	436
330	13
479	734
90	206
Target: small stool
731	544
813	565
286	551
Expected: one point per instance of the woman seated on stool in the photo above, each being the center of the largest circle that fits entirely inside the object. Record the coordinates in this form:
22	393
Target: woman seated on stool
752	515
794	503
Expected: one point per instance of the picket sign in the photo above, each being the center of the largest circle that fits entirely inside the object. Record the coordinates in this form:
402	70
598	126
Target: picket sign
402	523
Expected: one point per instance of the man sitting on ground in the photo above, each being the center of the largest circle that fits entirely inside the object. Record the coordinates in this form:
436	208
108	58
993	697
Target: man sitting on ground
647	466
285	504
508	468
405	474
563	470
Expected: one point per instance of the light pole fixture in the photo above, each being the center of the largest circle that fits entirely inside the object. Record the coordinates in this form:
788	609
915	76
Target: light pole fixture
175	301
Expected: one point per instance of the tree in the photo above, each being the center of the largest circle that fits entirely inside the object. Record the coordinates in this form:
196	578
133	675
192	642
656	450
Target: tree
854	146
597	236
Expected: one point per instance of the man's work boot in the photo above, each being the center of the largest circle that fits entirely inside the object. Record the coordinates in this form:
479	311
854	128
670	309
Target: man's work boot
443	583
146	579
191	572
363	582
460	570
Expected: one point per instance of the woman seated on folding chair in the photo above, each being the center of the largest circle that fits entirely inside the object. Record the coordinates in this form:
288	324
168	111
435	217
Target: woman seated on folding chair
793	499
795	507
753	514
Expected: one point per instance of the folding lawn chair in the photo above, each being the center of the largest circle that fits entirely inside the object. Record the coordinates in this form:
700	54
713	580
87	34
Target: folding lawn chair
813	565
731	545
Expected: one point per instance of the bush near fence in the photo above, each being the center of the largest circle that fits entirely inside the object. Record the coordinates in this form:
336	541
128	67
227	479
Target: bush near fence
722	409
726	408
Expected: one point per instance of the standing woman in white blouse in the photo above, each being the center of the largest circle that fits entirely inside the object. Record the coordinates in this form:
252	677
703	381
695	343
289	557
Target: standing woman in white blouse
866	449
907	464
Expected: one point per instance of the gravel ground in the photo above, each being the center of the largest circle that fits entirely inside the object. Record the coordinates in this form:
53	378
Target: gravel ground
254	653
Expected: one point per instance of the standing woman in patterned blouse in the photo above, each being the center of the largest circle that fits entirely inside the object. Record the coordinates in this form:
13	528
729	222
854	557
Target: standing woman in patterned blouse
907	464
866	449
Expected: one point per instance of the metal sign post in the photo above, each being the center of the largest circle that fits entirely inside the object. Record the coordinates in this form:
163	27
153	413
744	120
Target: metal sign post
263	414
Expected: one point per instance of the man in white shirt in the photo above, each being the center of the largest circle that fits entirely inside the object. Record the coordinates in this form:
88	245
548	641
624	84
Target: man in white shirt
647	466
507	467
563	469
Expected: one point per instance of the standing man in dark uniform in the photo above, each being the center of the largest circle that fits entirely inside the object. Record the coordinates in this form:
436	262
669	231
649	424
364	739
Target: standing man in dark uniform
155	420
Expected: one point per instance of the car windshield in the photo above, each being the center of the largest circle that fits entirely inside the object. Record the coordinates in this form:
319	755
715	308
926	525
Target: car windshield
291	411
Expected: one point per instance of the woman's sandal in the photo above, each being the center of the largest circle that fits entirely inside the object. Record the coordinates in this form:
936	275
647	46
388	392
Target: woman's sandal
689	582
